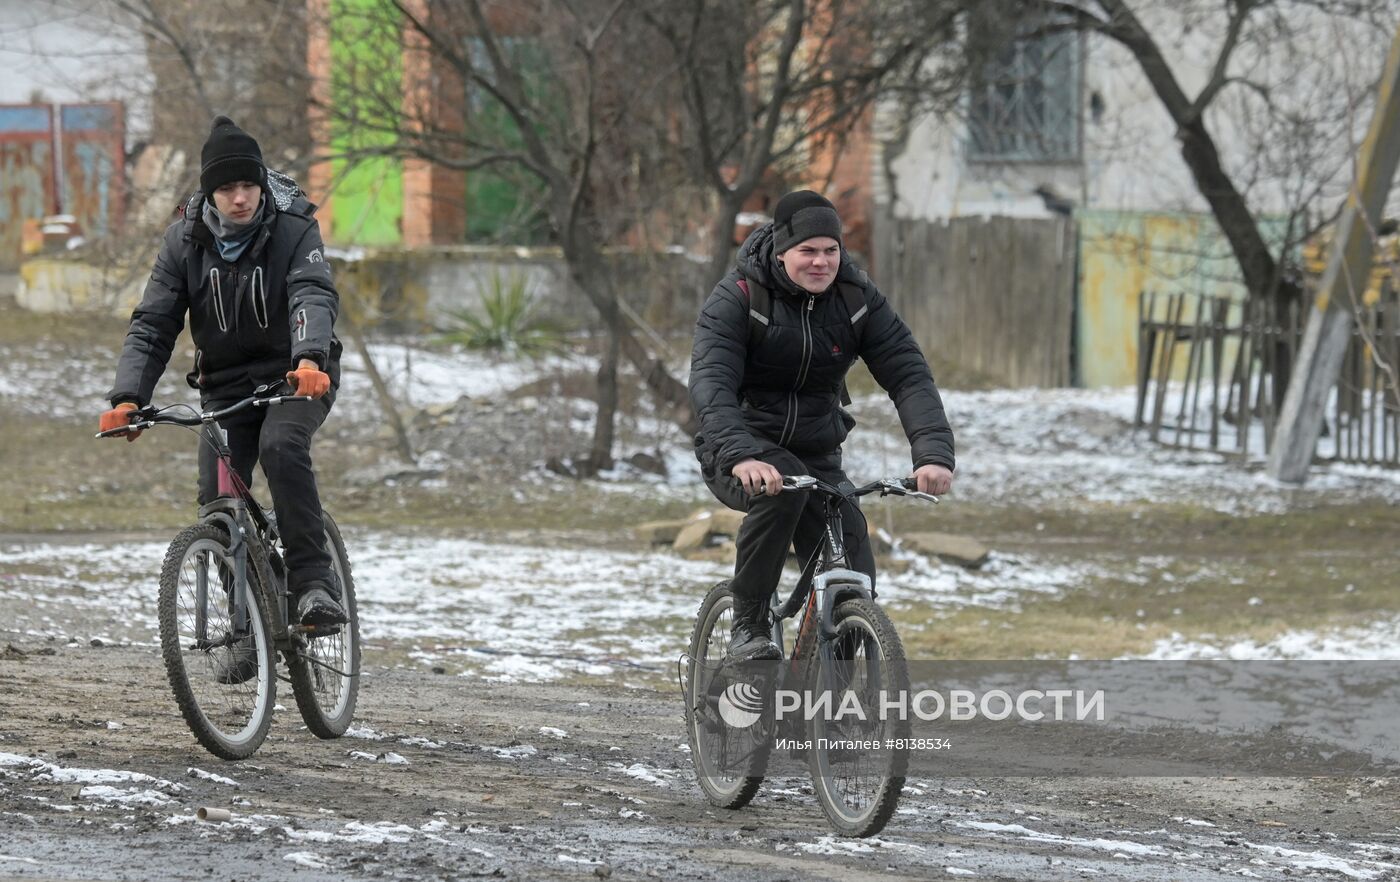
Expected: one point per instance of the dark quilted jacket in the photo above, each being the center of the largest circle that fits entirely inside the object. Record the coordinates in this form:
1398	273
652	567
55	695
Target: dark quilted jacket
786	392
252	319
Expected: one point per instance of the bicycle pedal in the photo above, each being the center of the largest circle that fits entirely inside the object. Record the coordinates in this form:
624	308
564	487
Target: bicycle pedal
314	631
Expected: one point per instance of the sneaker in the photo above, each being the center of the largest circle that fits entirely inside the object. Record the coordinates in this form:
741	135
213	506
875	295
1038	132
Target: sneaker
237	663
753	641
316	608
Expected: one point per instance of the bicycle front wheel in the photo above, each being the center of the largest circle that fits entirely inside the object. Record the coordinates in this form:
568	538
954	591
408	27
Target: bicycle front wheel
858	786
325	671
216	644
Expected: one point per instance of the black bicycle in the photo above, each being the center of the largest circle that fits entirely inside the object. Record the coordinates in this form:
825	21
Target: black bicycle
844	644
225	611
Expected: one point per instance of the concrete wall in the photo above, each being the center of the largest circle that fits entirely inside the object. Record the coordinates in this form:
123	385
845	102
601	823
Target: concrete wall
57	284
412	290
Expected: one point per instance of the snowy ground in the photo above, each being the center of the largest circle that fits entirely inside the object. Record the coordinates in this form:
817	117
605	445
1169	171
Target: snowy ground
503	610
1058	448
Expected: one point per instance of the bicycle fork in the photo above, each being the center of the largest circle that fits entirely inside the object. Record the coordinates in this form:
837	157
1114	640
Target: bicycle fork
238	609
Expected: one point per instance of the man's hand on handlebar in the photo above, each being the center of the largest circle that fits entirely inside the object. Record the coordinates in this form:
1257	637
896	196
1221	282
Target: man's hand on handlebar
308	379
117	418
935	480
758	477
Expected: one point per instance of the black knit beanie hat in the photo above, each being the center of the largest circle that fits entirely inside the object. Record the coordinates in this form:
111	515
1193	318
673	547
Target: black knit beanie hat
803	215
229	155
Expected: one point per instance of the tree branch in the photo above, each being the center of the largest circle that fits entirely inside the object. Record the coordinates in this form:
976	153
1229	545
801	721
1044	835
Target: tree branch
1218	78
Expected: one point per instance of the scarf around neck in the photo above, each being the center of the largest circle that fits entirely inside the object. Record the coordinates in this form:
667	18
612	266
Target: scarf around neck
231	236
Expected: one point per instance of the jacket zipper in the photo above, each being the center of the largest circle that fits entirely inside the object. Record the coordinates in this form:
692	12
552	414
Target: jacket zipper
790	424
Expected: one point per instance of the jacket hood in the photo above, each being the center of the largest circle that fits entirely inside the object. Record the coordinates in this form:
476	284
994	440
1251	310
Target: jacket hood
755	258
755	261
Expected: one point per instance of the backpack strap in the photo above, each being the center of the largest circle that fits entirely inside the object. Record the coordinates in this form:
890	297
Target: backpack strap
760	311
856	307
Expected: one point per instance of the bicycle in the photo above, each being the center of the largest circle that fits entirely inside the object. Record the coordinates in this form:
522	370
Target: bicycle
224	608
844	643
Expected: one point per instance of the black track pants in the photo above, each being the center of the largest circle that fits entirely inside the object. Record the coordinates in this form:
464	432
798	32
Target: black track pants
280	438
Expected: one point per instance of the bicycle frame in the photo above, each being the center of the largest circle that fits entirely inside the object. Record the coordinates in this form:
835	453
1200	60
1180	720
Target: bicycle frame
236	509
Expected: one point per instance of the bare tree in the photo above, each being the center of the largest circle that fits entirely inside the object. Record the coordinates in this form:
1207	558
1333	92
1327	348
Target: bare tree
768	85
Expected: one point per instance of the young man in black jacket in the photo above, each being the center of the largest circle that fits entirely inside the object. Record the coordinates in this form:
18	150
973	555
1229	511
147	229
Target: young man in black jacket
247	265
769	402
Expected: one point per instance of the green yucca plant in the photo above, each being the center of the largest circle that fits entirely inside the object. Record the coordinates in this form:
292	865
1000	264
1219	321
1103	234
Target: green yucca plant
505	320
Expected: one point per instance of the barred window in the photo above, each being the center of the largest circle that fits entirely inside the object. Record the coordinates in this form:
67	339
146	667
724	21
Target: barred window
1025	105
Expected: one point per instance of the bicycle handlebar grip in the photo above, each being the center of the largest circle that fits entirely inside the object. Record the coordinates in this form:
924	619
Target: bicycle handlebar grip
909	484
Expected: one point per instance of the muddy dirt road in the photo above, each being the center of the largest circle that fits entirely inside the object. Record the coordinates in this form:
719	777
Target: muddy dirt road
449	778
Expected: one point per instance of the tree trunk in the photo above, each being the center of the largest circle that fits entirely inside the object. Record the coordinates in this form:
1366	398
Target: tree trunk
721	255
604	427
381	388
589	273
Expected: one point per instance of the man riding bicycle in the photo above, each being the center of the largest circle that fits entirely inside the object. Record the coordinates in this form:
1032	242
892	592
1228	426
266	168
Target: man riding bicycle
247	264
772	347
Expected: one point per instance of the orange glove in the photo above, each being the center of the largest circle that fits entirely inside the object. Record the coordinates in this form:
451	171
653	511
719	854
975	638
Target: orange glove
309	381
116	418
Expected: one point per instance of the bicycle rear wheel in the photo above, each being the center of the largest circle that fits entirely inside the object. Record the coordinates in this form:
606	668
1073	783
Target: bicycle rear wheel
726	759
219	661
325	671
858	787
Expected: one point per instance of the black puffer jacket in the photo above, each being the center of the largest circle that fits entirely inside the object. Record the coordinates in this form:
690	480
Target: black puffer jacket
786	393
252	320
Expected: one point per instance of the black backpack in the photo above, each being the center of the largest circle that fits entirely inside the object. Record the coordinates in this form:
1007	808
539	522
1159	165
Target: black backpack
761	312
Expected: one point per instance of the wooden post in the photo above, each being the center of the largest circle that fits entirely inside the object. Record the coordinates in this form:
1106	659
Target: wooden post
1249	318
1332	318
1219	315
1147	345
1164	365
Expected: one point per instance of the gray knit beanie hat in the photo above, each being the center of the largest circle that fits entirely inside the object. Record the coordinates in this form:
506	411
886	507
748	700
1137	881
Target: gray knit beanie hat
803	215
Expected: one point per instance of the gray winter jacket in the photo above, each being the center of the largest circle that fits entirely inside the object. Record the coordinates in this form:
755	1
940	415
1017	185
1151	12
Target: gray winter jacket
252	320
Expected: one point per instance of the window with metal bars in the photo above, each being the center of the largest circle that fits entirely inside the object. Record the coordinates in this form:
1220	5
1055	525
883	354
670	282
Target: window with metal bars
1025	105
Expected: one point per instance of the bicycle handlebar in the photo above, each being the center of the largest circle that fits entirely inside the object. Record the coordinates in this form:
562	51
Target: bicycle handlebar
885	486
148	416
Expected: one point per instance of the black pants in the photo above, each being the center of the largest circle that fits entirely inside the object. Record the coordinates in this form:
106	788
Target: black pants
280	438
775	523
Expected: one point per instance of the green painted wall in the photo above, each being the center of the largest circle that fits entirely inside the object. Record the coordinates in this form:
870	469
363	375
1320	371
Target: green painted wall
367	203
